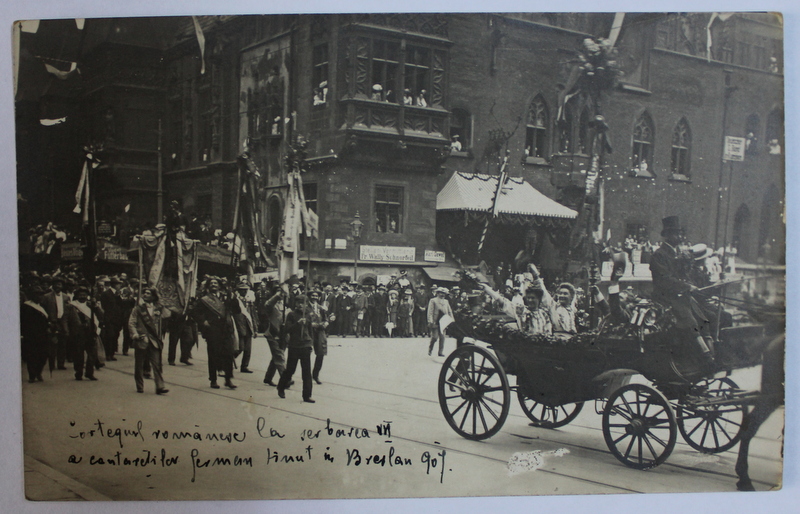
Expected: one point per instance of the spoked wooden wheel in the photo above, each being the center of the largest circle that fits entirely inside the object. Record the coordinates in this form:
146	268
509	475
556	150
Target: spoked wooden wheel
639	426
711	425
474	393
547	416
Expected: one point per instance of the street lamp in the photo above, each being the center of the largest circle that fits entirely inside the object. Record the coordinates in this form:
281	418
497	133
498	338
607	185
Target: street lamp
355	229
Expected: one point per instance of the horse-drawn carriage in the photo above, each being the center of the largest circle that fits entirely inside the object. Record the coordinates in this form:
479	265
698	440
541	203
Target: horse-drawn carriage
556	375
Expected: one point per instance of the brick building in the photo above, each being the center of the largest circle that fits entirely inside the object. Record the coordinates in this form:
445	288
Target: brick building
383	152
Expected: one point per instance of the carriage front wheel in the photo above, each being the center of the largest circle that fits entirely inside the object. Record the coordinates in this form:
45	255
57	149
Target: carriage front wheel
711	424
639	426
474	393
548	416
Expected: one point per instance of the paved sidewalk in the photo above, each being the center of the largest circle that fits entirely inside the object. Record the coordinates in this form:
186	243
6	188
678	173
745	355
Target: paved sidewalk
43	483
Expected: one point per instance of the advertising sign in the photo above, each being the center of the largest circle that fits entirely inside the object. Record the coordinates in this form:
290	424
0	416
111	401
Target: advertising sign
387	253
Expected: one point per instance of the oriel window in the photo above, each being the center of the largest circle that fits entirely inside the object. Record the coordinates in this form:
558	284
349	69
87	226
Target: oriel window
384	70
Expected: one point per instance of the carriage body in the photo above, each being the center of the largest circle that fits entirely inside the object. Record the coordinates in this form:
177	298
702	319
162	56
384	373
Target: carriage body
555	375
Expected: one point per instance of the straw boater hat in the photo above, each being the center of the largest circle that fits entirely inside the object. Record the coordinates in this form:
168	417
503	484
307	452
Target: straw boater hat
442	290
700	251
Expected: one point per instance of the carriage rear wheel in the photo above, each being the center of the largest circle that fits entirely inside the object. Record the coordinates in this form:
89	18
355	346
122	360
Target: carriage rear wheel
474	393
639	426
712	428
548	416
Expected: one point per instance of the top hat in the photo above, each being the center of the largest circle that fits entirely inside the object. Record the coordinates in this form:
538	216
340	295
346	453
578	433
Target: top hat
671	225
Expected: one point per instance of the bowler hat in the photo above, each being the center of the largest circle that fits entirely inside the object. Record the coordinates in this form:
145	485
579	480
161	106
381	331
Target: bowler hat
670	225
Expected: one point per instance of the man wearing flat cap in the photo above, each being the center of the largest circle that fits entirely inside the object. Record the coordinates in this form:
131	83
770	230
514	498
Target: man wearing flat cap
672	286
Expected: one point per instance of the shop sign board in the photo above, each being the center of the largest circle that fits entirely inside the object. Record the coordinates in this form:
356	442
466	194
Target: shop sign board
387	253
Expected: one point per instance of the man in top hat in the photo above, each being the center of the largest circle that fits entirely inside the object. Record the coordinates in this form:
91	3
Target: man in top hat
55	303
245	318
438	307
672	286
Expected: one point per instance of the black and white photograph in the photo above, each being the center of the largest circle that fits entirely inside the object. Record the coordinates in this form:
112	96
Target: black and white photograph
381	253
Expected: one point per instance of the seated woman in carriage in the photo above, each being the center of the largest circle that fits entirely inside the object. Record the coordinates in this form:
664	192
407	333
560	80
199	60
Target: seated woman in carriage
530	316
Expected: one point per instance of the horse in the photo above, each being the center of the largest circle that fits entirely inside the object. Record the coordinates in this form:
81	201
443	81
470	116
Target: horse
770	398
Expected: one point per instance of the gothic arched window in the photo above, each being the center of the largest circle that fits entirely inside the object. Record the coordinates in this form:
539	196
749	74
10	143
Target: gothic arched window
536	129
643	138
681	150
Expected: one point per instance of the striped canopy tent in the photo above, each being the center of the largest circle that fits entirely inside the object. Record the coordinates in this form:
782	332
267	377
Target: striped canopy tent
522	214
519	202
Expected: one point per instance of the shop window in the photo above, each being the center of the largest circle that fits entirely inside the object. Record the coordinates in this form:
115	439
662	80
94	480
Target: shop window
389	209
642	157
681	151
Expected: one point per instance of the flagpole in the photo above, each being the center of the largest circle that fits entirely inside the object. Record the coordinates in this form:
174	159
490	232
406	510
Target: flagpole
141	269
160	172
495	201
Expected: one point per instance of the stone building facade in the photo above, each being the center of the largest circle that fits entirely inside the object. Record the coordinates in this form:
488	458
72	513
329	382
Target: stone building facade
380	97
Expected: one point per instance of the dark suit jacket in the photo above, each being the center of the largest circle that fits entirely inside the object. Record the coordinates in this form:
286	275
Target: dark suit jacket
49	304
142	325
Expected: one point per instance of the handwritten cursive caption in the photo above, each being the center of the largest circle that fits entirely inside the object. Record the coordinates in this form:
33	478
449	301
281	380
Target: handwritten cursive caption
137	446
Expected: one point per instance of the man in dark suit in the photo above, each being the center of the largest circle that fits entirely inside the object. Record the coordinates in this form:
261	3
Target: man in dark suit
212	314
112	317
35	334
55	304
298	326
672	286
83	328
